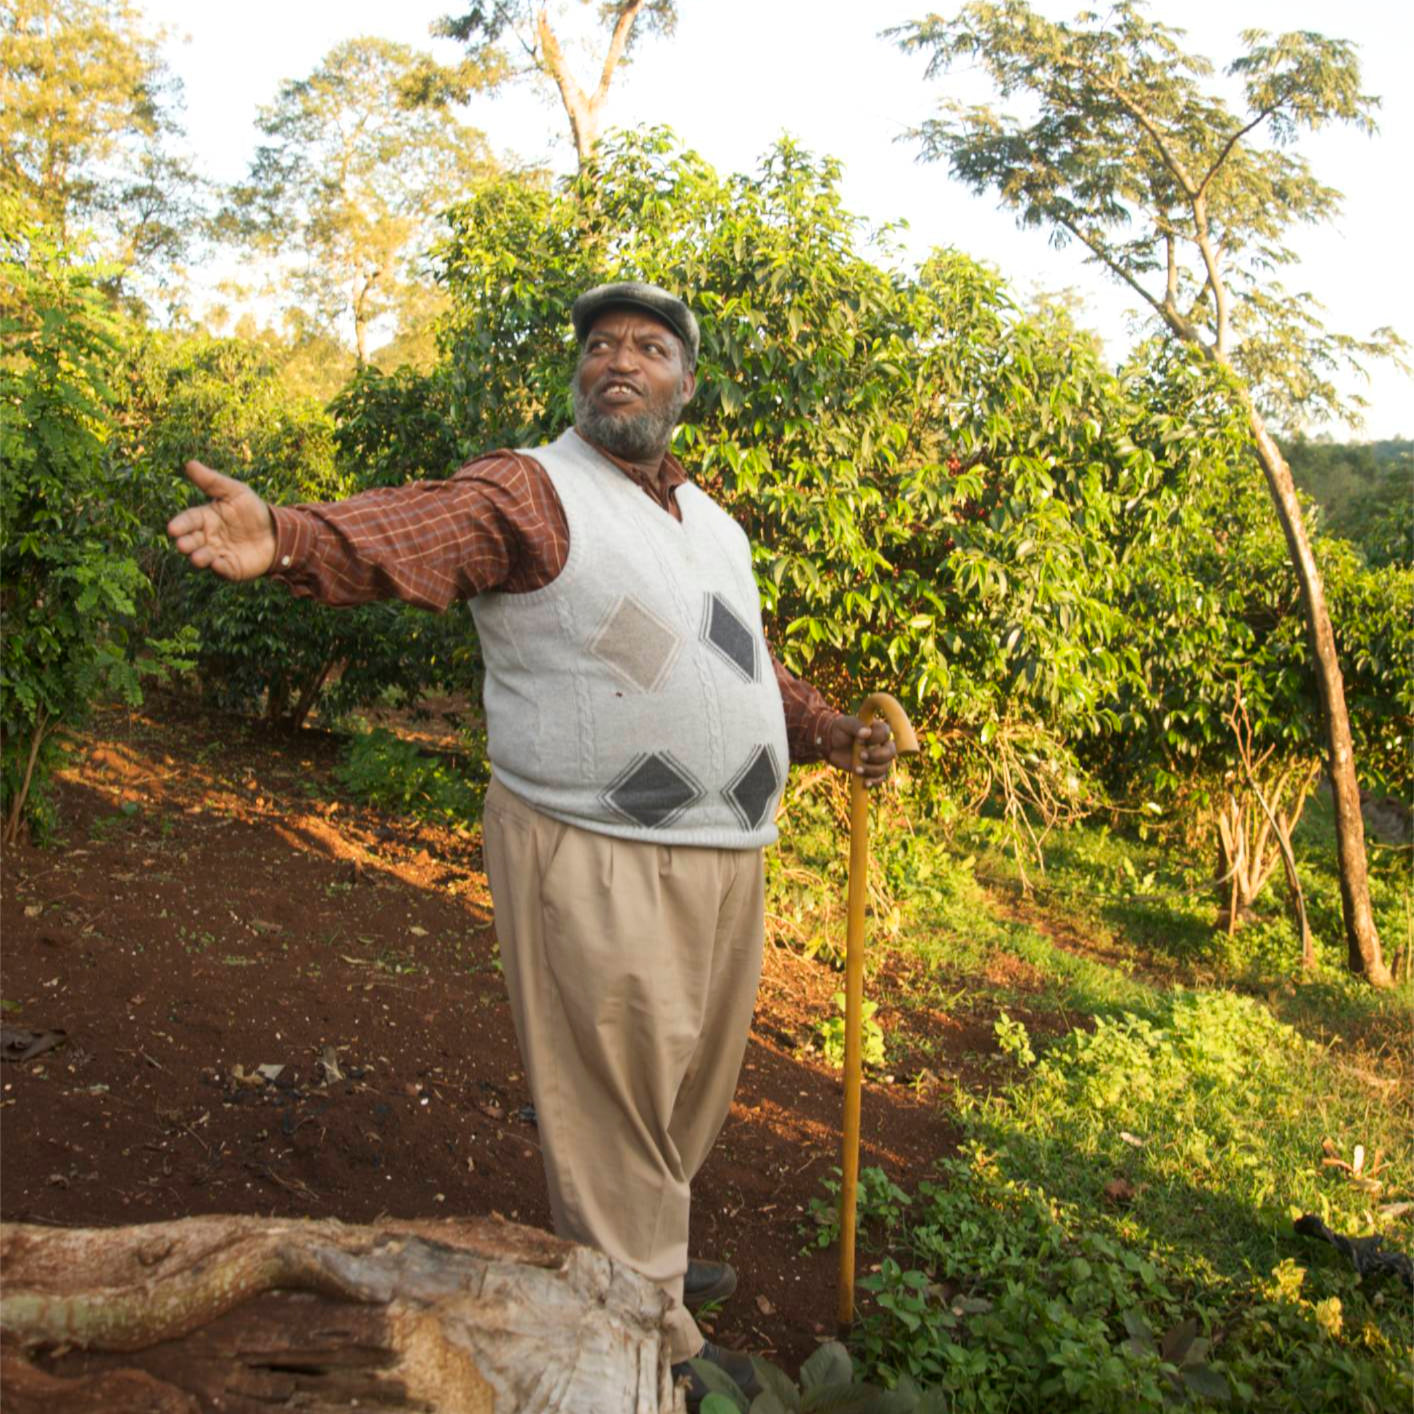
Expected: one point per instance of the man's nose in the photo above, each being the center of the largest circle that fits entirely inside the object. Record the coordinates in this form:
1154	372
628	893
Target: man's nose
623	358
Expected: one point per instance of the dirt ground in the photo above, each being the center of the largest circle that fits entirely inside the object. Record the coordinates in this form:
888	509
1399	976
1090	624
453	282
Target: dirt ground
213	908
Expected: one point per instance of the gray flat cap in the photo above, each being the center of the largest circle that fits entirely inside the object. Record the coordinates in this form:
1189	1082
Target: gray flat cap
649	299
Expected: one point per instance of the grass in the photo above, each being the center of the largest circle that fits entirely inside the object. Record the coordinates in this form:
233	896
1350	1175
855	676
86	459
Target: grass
1116	1232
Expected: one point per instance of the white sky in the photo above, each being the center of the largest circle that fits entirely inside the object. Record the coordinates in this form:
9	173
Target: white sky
738	73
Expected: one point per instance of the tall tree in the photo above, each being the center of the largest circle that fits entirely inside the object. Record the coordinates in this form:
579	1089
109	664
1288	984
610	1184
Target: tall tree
87	128
1134	154
511	39
350	180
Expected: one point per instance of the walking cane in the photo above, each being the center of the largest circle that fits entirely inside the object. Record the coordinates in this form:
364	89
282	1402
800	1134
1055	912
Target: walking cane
877	704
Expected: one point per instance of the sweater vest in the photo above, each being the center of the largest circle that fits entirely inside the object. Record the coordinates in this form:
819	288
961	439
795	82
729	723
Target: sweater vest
634	695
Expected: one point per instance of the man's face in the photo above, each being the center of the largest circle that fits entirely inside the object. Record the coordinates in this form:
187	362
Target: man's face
630	385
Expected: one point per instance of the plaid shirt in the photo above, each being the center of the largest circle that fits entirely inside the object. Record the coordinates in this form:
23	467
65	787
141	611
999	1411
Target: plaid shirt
495	524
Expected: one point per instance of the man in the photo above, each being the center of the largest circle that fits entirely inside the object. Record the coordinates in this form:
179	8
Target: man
638	730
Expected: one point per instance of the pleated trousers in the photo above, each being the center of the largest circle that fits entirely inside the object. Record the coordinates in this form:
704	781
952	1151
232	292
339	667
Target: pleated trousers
632	970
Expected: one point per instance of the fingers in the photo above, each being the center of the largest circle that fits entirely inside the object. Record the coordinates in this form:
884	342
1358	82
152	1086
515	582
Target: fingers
187	523
211	483
877	749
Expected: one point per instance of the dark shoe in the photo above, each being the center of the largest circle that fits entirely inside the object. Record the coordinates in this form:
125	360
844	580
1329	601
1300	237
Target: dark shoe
732	1362
707	1281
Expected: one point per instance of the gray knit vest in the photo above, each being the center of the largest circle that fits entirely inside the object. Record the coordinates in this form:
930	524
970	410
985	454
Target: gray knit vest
634	694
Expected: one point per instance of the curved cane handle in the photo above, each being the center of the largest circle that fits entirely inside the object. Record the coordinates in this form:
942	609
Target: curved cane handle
881	704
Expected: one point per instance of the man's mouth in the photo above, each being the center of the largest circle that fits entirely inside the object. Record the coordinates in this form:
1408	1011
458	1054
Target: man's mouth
617	392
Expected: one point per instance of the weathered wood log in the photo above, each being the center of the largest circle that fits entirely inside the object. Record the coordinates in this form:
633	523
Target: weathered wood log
244	1315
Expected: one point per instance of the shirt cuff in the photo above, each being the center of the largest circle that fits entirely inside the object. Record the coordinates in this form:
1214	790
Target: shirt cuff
294	539
812	740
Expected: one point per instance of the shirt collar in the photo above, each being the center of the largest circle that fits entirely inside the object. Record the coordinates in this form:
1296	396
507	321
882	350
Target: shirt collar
670	472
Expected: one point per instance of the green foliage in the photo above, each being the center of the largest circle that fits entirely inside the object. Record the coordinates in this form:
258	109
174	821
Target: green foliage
1014	1040
395	427
827	1383
86	134
349	180
514	39
830	1035
221	401
880	1206
396	775
1366	493
70	582
1140	1180
1131	151
1214	610
1130	1194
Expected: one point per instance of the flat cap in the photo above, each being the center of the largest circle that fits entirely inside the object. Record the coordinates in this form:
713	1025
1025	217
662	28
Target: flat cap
649	299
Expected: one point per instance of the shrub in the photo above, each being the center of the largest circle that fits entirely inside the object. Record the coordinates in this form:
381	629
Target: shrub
68	567
396	775
222	402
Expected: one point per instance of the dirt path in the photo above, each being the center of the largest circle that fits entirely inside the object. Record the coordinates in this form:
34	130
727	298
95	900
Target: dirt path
214	908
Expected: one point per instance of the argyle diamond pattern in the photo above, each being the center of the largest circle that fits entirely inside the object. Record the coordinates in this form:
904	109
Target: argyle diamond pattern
653	790
754	787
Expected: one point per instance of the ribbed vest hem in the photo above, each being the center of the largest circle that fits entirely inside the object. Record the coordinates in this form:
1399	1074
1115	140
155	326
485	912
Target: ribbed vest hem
725	837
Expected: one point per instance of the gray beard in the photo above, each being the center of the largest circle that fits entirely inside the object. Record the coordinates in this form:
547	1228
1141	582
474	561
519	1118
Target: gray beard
641	437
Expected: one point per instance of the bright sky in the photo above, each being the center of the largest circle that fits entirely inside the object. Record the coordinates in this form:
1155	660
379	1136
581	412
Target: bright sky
738	73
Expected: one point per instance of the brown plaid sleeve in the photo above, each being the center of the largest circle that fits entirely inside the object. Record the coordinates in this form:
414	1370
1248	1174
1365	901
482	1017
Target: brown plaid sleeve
808	716
496	524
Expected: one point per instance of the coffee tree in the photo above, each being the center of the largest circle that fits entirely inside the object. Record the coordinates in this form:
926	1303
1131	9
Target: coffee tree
1222	726
220	400
70	582
1129	150
928	475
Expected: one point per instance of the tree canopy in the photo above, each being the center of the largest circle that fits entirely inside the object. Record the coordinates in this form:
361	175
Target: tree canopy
1129	151
508	40
1132	149
349	180
88	130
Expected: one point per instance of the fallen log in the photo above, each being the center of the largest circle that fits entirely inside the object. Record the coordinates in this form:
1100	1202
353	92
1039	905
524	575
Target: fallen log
244	1315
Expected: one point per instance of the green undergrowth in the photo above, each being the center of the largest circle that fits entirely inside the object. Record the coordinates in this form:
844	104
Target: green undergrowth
385	770
1134	1193
927	904
1115	1232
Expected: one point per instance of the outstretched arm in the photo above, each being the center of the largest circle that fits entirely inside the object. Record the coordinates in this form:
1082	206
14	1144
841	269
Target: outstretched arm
232	535
496	523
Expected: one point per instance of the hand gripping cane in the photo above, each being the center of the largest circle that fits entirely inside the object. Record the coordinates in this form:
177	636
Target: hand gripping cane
877	704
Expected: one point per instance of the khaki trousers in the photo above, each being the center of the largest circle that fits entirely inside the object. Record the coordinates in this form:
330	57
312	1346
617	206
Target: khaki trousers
632	971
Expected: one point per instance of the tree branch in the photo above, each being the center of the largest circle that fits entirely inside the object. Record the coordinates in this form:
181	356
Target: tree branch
1229	145
618	42
1204	243
1140	116
1102	255
577	106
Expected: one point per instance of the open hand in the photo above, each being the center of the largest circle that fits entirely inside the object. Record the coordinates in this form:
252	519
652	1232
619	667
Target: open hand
232	535
877	748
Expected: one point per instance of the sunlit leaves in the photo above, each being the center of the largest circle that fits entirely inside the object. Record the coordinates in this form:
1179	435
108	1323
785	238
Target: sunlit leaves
1130	150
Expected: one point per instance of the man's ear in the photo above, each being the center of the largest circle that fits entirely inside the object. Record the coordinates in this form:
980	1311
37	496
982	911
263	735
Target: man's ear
689	386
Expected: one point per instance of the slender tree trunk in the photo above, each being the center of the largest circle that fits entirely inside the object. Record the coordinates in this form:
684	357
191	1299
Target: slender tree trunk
584	109
17	806
310	695
1362	938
